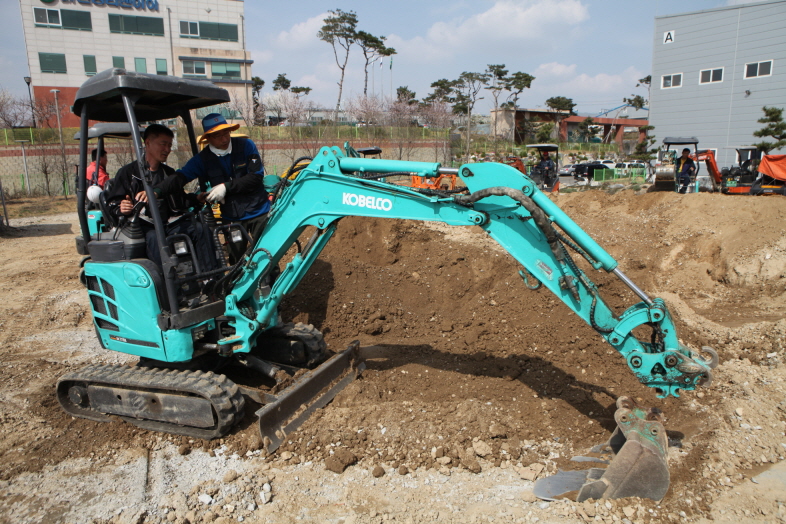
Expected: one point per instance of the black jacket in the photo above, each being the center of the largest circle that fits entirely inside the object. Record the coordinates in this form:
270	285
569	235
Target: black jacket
128	182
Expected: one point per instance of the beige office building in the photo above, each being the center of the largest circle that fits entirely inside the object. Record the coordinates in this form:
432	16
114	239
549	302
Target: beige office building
67	41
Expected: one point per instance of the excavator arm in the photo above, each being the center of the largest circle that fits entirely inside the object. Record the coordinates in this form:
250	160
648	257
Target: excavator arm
708	157
502	201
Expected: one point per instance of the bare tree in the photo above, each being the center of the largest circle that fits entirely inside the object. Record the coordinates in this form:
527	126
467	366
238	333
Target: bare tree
467	89
497	76
437	114
339	32
47	162
365	109
250	112
401	116
13	111
274	103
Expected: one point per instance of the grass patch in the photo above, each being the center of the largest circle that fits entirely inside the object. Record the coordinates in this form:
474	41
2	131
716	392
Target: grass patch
38	206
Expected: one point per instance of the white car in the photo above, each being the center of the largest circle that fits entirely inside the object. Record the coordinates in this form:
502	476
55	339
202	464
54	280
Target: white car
567	170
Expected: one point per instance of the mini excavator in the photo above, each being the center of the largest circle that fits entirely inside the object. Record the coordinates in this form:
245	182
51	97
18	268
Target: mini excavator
229	317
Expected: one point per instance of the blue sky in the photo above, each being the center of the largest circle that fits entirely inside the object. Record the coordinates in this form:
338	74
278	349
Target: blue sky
589	50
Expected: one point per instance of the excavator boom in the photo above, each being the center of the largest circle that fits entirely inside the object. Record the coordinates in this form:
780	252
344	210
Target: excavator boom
500	200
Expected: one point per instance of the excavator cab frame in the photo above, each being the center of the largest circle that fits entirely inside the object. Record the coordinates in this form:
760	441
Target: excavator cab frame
740	179
96	219
666	176
546	179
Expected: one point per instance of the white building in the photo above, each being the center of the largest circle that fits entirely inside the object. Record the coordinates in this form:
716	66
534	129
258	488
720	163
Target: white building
714	70
68	41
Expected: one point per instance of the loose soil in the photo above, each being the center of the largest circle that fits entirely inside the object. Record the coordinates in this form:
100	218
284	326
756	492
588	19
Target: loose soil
474	382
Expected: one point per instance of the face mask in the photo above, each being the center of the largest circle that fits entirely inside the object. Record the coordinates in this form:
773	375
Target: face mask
221	152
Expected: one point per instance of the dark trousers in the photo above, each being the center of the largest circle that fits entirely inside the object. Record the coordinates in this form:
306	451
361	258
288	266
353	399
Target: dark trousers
685	180
199	235
253	227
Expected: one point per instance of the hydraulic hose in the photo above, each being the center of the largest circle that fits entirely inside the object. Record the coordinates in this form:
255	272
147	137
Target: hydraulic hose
540	218
545	225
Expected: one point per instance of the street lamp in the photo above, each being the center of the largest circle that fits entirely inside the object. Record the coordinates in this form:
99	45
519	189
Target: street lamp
60	129
30	94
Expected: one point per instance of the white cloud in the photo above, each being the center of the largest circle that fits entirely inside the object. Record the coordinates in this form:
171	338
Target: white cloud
302	35
607	83
587	90
261	56
507	24
554	69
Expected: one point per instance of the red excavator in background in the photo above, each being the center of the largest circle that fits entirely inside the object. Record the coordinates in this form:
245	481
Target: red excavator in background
708	157
751	177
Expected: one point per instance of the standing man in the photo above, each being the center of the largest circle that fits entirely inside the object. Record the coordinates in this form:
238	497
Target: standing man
685	168
230	172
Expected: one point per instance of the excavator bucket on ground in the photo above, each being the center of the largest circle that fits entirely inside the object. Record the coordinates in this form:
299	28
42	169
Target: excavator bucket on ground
631	464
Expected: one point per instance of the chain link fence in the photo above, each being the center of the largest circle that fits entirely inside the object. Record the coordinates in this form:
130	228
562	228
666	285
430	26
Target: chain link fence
33	162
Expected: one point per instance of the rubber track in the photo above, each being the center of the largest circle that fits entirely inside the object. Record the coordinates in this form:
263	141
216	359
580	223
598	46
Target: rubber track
224	395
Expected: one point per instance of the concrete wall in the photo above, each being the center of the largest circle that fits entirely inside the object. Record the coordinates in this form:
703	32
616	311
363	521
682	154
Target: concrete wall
720	114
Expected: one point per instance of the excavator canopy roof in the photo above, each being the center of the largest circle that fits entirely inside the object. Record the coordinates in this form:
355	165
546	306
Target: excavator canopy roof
544	147
157	97
674	141
107	130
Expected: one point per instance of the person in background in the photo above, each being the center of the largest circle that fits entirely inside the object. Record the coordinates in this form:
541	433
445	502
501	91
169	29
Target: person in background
98	176
685	168
546	163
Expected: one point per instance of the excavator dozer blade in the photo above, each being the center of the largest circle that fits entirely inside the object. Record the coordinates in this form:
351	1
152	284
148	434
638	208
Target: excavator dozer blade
637	465
288	410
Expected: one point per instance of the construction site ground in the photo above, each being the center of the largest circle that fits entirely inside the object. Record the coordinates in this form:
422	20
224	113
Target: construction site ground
475	387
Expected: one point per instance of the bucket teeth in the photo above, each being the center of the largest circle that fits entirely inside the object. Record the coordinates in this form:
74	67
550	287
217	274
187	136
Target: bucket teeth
638	468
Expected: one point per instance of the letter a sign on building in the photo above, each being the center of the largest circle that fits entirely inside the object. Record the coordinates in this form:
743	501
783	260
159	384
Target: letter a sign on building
668	37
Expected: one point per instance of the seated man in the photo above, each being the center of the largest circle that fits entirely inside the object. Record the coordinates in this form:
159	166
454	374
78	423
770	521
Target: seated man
546	163
685	168
127	197
231	169
97	176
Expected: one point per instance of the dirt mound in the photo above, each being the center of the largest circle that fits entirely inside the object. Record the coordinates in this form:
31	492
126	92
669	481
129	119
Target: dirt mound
467	368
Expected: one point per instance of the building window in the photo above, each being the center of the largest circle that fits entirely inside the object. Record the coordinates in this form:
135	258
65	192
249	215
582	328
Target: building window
136	25
90	64
208	31
758	69
160	66
52	63
669	81
76	20
119	61
194	68
189	29
140	65
225	70
63	18
46	17
710	76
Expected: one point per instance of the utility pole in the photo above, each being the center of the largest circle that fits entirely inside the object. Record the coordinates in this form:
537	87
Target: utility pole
60	130
30	94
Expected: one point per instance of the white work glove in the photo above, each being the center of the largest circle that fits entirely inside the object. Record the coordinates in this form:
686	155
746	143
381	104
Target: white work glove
217	194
